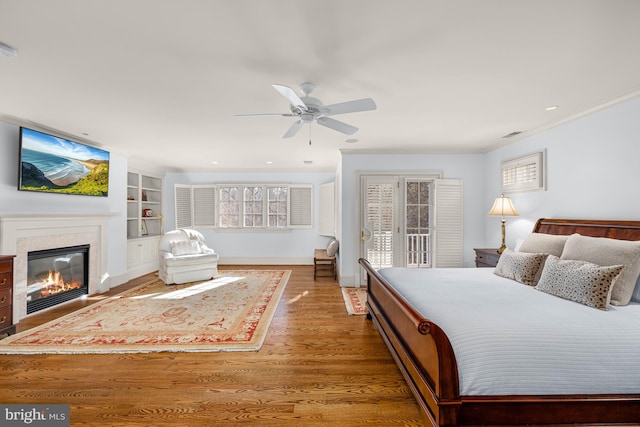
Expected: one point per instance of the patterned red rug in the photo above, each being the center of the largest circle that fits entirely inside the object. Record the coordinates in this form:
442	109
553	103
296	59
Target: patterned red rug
355	300
229	313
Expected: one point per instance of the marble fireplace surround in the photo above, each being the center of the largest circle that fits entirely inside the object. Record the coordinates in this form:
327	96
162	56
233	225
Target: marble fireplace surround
22	233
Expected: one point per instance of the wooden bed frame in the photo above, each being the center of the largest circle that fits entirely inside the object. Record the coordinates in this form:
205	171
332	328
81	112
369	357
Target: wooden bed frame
426	359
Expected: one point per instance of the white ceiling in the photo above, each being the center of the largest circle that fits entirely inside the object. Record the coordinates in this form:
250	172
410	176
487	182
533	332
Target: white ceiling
161	80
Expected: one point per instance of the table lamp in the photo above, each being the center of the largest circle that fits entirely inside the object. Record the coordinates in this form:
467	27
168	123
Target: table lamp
503	206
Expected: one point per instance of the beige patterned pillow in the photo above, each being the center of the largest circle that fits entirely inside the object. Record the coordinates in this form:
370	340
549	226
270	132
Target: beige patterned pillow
520	266
541	243
578	281
605	251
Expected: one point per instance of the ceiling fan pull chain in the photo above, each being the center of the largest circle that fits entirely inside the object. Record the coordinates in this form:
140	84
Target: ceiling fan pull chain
309	133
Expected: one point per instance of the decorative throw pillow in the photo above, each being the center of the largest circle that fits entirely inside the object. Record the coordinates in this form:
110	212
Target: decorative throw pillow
541	243
184	247
579	281
332	247
520	266
604	251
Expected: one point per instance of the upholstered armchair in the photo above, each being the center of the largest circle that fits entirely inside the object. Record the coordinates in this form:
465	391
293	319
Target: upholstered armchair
185	257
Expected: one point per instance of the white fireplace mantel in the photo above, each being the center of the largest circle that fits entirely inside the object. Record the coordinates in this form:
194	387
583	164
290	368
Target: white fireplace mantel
21	233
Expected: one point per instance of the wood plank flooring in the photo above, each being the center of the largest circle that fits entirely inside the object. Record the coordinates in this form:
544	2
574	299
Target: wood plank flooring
318	366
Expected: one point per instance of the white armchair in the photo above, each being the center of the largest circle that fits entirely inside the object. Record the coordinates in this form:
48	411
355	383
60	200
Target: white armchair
185	257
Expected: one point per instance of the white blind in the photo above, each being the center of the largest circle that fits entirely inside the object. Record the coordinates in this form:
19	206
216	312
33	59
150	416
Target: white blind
204	200
300	206
380	217
183	206
523	173
447	222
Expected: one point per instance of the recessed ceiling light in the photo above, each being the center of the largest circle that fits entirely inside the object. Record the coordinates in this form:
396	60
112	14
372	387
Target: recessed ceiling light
214	163
551	108
269	162
6	50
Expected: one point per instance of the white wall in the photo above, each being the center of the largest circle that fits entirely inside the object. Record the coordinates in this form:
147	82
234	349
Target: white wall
469	168
254	247
592	172
14	201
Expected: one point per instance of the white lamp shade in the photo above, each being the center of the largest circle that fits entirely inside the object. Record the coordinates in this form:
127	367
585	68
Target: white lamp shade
503	206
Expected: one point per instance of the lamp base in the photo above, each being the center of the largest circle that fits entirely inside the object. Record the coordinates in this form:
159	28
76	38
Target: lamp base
502	246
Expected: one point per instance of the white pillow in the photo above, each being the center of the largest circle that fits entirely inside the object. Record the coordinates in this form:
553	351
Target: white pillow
332	247
605	251
184	247
540	243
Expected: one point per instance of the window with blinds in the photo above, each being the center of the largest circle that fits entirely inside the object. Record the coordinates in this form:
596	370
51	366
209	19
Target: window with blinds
524	173
244	206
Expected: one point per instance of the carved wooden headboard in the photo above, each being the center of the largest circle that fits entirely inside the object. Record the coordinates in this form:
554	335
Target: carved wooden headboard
613	229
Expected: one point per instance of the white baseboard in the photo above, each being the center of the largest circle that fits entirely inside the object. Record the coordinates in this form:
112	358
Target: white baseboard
265	260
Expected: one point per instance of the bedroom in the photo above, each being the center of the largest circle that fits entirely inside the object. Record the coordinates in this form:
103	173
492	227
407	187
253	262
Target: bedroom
591	164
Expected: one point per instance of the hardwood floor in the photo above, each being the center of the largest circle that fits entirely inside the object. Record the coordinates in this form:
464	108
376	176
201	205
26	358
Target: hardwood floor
318	366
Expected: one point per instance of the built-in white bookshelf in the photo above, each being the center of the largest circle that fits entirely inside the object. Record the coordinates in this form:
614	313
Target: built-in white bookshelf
144	205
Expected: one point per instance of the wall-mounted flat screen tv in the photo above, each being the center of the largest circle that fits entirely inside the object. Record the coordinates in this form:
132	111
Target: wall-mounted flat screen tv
56	165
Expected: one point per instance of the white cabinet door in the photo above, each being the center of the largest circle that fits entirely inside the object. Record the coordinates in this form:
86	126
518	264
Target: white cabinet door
142	256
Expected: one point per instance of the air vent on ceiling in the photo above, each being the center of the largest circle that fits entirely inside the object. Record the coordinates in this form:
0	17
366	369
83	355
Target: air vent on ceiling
509	135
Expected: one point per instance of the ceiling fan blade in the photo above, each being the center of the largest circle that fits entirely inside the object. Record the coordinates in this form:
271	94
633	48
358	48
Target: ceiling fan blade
337	125
264	114
294	129
366	104
291	95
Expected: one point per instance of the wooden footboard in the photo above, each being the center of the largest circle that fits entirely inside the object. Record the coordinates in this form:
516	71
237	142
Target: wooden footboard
426	359
421	350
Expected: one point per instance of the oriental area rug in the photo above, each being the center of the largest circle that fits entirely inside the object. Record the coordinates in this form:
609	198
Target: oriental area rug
229	313
355	300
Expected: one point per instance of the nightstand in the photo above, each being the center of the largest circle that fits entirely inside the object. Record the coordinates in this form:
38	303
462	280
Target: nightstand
487	257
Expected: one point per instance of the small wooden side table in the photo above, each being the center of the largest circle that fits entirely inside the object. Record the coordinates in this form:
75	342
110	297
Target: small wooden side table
487	257
323	264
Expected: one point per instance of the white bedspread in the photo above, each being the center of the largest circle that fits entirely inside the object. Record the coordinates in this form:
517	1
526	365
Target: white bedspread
510	339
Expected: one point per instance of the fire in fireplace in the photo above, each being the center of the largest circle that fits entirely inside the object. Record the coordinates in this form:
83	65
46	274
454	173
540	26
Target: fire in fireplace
56	275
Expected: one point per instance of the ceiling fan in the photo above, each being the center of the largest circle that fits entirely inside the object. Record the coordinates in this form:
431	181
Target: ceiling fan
308	109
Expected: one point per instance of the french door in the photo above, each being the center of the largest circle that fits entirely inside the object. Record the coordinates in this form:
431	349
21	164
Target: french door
379	220
405	219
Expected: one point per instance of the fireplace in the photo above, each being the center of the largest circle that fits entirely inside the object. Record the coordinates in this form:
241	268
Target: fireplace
56	275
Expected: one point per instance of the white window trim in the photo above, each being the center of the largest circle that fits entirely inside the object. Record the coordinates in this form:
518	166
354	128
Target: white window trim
307	207
534	161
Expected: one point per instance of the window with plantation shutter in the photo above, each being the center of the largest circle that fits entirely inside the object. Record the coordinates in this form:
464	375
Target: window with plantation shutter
524	173
244	206
204	202
183	206
300	206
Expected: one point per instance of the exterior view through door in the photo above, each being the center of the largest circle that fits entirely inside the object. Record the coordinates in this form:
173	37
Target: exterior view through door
400	217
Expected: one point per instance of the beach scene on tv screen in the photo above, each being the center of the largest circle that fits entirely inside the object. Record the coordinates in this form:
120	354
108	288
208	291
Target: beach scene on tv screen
57	165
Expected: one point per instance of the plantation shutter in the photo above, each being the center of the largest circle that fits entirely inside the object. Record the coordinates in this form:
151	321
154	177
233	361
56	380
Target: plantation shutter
204	205
524	173
447	223
300	206
183	206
